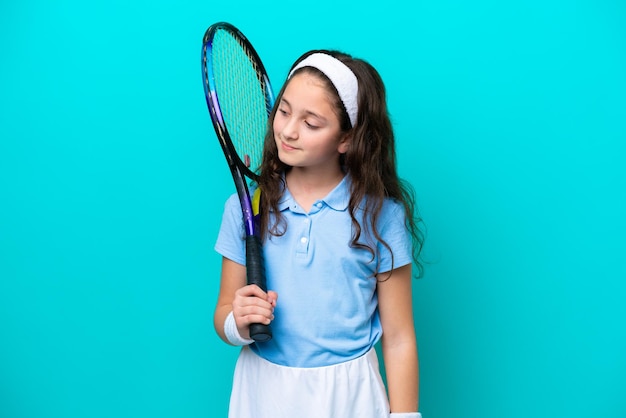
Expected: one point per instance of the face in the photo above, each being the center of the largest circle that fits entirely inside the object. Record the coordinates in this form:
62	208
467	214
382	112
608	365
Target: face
306	128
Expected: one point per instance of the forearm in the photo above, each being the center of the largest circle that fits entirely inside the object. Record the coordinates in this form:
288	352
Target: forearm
402	372
219	317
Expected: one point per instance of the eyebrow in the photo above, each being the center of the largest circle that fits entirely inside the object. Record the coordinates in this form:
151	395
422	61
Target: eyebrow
308	112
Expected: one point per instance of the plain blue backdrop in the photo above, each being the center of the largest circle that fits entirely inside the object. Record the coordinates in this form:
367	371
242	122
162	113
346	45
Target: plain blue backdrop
510	123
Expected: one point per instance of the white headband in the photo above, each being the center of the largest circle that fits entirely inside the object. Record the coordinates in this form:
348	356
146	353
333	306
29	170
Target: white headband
340	75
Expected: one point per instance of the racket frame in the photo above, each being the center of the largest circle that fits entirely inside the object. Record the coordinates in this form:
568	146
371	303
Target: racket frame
255	270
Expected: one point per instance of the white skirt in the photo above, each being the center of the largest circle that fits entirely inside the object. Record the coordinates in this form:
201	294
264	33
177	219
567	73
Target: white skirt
262	389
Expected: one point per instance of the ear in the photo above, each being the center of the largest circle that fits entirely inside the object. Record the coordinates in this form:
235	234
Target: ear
344	143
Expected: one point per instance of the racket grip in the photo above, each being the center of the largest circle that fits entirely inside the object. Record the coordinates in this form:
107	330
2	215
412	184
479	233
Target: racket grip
260	332
255	270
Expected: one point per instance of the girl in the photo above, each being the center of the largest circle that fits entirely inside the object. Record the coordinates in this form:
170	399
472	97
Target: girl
340	237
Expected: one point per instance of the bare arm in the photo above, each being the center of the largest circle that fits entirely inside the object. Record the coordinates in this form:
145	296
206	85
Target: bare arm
249	304
398	342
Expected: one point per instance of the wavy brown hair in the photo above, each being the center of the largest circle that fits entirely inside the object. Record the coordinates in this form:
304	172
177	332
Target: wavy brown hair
370	161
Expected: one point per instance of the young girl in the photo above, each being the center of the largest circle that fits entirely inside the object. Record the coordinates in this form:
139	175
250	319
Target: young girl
339	240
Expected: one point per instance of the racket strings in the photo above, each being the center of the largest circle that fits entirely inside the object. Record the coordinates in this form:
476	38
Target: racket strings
242	96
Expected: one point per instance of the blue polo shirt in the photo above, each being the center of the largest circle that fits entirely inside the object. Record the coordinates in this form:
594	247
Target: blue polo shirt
326	311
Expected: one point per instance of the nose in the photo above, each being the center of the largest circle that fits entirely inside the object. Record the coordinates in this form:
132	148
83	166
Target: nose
289	130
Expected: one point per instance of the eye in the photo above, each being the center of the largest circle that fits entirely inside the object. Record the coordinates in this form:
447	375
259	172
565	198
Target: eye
310	125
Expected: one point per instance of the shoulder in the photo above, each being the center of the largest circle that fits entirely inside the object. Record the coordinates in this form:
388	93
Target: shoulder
392	205
232	214
392	218
232	202
391	209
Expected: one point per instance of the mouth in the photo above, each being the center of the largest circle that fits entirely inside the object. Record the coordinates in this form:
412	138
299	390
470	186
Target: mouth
287	147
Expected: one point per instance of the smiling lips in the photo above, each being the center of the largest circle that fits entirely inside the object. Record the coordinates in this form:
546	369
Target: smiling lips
287	147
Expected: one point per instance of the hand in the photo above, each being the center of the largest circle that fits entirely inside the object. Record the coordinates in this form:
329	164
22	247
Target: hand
252	305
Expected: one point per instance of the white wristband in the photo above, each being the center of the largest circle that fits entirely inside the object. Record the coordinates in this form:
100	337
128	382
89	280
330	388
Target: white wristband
405	415
232	333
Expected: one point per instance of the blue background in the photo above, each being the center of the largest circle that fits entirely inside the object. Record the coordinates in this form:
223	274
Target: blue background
510	121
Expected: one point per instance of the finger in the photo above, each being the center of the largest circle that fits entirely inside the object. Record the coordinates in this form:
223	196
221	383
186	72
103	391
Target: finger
244	301
243	306
247	315
253	309
252	290
258	319
272	297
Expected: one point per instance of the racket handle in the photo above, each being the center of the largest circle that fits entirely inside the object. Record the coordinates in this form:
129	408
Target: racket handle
255	270
260	332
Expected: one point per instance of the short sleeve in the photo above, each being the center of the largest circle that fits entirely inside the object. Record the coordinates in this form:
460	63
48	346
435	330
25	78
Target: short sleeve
394	232
231	237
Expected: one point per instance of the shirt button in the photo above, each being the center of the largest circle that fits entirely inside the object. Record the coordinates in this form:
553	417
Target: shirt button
318	204
303	240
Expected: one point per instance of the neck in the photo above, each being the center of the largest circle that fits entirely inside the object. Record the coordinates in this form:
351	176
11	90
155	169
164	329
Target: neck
307	187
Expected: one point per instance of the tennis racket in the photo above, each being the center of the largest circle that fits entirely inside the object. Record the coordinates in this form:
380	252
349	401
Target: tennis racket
239	96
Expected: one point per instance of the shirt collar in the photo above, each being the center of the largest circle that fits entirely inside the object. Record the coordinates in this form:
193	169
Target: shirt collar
337	199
